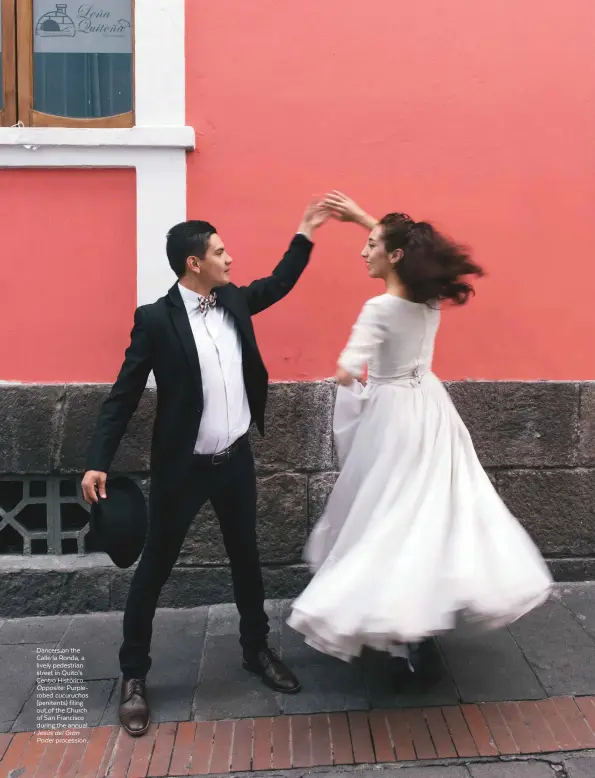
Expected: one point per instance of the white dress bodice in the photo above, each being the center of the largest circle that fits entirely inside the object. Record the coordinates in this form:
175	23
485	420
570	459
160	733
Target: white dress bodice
394	338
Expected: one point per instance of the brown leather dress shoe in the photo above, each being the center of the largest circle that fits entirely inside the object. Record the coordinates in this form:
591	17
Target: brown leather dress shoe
135	716
267	665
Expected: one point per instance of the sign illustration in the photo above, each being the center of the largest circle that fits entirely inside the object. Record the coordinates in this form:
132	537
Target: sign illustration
104	27
56	23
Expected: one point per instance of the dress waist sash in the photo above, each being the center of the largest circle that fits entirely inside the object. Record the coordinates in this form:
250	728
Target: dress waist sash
410	378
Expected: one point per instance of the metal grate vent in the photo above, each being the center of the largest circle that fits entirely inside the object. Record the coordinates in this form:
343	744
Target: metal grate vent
43	516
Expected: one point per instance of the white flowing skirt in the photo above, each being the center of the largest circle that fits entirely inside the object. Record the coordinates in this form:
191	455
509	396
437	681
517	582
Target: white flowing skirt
414	533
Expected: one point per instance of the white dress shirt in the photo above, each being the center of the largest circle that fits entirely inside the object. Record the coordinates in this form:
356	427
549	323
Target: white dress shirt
226	412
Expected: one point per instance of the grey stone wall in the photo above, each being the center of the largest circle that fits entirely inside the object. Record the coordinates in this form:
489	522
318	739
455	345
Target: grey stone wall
536	439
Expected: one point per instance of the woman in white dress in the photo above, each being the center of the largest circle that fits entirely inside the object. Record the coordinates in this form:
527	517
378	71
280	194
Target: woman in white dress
414	533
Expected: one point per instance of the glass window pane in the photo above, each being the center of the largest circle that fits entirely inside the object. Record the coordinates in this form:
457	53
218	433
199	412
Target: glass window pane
82	58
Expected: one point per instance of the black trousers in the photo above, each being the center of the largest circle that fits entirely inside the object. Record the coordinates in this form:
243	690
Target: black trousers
231	489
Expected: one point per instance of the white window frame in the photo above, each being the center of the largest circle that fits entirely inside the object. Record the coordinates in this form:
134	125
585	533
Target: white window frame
156	146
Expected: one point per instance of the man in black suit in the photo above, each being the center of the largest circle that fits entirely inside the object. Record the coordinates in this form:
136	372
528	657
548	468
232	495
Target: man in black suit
211	385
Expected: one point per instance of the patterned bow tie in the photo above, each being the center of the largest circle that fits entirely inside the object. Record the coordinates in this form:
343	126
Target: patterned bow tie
204	303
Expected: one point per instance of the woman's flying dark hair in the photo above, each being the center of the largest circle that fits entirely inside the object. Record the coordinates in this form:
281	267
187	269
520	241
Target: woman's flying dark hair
432	267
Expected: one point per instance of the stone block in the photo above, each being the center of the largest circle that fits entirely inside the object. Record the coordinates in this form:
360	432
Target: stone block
327	683
414	772
557	507
335	463
514	423
572	569
30	593
579	598
489	667
586	426
186	588
225	690
36	629
82	406
298	431
282	517
98	637
119	586
110	717
203	544
30	419
145	487
530	769
333	686
282	520
191	587
176	649
560	651
18	671
134	453
320	487
285	583
48	593
580	767
85	591
99	693
224	619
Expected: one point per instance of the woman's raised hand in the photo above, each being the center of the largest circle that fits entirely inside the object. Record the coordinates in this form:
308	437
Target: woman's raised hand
345	209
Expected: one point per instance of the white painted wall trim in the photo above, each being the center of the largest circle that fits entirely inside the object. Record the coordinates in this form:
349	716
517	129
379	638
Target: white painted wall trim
148	137
160	63
160	198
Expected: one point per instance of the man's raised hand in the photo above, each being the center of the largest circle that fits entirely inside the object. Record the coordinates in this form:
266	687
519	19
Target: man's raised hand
315	215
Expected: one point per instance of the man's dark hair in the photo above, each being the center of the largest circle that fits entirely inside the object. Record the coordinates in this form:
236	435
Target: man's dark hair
187	239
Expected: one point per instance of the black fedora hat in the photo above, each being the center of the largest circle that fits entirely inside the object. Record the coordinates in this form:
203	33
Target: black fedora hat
119	521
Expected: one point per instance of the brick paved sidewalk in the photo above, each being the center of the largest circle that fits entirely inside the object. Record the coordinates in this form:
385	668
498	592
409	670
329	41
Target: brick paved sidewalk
463	733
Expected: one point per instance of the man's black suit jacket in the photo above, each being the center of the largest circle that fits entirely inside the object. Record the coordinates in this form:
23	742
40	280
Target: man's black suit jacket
162	341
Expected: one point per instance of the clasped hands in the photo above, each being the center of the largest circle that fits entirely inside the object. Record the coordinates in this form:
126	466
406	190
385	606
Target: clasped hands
338	206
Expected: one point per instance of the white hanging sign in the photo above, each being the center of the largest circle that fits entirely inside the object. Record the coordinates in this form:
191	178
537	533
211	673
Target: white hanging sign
104	27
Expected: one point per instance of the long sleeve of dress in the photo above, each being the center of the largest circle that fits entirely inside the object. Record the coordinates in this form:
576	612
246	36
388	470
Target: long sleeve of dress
367	334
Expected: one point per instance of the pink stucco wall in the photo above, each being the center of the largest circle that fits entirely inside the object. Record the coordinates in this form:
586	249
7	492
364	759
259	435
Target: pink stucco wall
479	116
68	273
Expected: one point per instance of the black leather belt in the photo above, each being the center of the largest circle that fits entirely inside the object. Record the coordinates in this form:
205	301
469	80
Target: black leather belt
222	456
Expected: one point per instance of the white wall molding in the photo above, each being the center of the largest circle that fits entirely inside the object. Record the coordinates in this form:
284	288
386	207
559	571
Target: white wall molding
160	62
147	137
160	197
161	203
